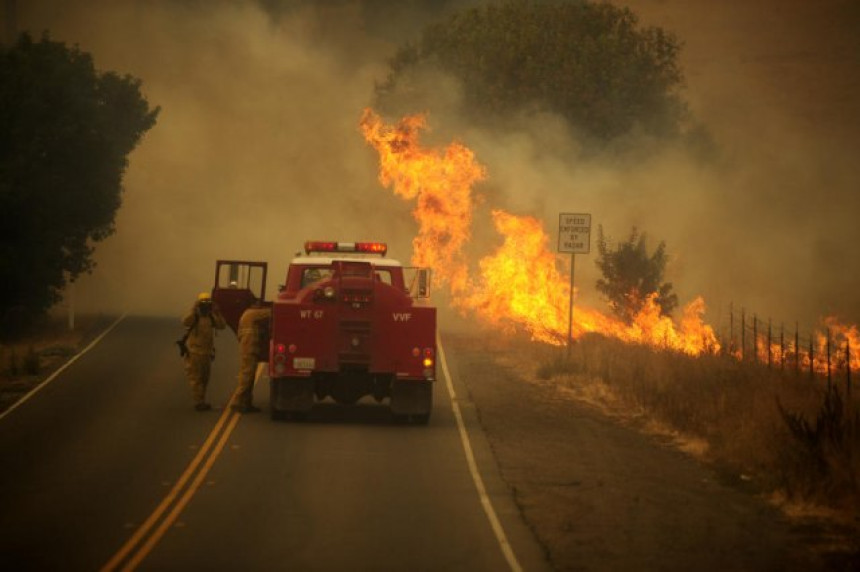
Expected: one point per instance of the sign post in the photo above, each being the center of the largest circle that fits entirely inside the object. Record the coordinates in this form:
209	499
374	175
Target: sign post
574	236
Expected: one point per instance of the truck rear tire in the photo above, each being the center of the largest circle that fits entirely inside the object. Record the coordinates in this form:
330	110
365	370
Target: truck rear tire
412	401
288	395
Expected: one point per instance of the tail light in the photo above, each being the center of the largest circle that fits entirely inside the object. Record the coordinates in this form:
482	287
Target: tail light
428	358
280	358
428	361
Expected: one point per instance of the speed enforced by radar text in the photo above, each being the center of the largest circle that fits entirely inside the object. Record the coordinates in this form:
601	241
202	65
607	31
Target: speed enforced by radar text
574	233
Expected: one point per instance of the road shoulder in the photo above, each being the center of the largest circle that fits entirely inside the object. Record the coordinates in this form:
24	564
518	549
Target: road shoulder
30	360
601	495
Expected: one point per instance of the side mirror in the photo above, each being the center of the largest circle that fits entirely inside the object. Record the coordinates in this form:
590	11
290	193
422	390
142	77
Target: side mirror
423	282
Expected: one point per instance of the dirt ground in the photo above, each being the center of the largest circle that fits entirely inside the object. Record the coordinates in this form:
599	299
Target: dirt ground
602	492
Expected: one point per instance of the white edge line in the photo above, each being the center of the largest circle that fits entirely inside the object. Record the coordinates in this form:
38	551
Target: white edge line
496	525
62	368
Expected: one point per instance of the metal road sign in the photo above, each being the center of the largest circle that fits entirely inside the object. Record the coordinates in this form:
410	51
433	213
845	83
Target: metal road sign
574	233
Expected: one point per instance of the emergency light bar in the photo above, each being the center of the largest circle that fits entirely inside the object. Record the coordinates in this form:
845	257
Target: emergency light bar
361	247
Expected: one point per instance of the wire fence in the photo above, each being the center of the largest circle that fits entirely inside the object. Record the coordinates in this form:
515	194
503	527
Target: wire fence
831	352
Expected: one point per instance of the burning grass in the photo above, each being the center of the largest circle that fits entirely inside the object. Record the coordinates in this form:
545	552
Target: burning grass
789	434
794	437
520	286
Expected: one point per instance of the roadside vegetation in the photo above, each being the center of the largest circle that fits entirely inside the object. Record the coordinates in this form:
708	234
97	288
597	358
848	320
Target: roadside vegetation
67	131
590	62
32	357
629	274
794	437
792	434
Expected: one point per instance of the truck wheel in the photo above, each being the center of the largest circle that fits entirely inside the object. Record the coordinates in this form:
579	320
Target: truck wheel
274	392
289	396
412	402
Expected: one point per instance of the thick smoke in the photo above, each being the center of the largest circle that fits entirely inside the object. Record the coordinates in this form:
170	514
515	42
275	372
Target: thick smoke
257	149
773	227
768	223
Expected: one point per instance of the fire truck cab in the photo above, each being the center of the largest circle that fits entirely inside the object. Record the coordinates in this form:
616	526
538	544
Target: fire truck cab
347	323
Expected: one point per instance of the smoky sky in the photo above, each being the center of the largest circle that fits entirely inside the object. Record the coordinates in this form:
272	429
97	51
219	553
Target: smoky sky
257	148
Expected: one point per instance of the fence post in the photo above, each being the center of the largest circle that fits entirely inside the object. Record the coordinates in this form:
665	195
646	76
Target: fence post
769	357
743	335
828	359
782	347
848	372
755	338
731	328
796	349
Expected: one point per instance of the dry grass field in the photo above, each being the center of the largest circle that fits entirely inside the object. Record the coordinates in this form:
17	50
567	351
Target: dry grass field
795	438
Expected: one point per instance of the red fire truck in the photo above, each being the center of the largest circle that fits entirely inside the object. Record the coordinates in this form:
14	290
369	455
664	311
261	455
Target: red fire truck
347	323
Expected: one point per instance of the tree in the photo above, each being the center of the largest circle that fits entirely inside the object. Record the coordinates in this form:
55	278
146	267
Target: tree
65	134
588	61
630	275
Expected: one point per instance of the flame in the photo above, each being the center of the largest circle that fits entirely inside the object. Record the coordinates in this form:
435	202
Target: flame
833	347
837	341
523	284
441	183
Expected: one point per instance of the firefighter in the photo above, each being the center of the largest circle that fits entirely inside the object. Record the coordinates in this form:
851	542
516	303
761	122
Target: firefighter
253	338
201	321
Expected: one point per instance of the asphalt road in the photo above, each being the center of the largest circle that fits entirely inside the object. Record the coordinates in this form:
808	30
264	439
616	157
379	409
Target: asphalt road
108	466
602	494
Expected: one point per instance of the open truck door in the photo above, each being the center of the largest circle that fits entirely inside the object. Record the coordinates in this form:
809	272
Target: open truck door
238	284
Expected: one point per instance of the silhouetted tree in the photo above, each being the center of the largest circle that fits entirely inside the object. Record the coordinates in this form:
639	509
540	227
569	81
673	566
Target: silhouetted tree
65	134
630	275
590	62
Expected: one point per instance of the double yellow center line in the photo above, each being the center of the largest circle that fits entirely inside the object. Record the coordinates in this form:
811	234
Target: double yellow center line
164	516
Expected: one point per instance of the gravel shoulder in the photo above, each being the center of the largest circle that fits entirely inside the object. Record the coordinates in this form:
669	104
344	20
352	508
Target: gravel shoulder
601	493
